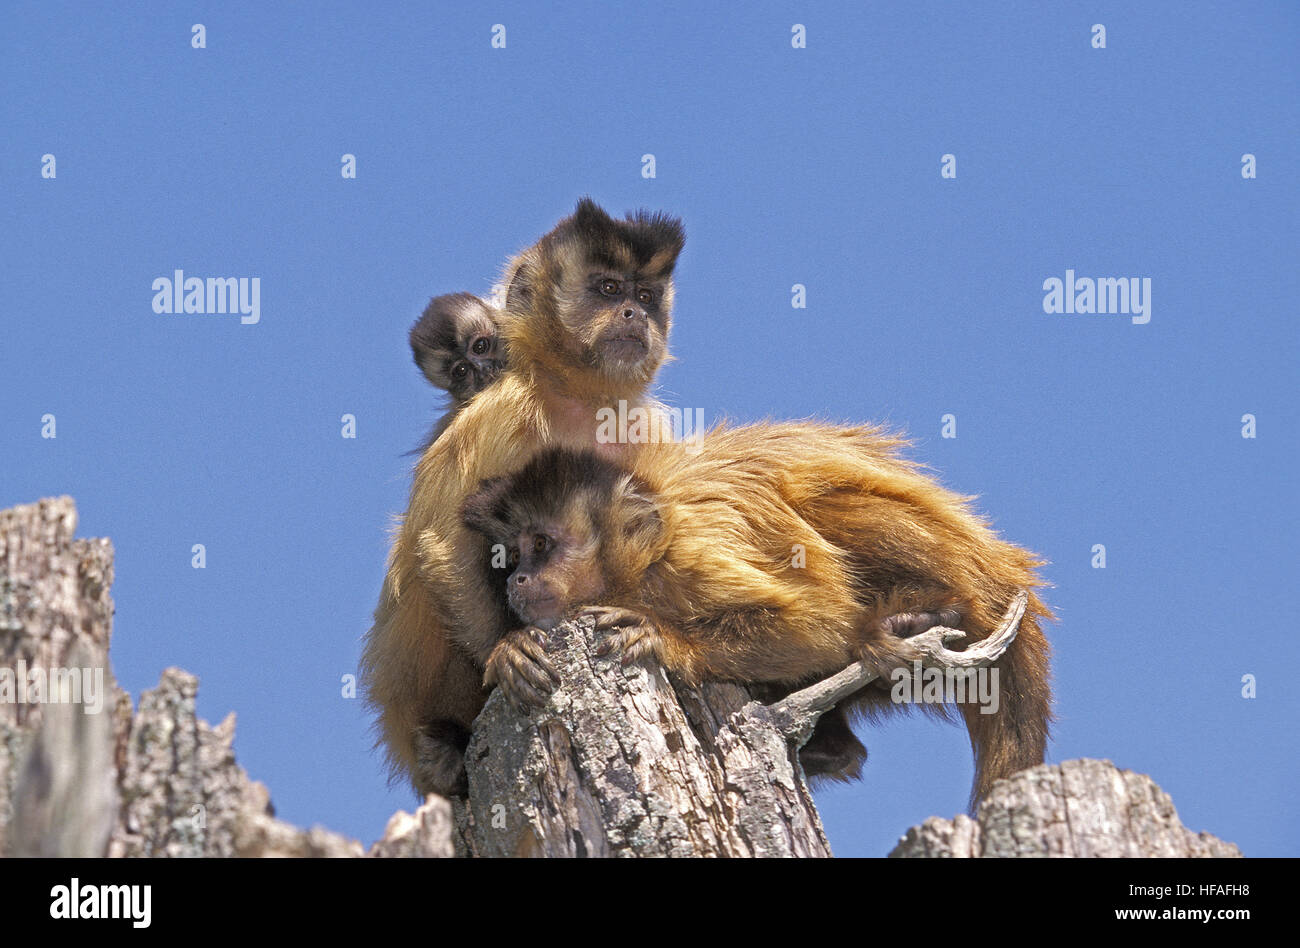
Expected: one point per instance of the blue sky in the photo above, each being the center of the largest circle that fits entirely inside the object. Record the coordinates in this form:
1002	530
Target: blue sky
818	166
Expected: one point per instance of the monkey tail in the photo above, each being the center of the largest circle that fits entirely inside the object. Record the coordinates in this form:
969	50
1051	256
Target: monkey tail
1015	735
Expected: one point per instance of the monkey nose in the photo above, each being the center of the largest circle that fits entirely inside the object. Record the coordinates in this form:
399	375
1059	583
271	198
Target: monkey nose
631	313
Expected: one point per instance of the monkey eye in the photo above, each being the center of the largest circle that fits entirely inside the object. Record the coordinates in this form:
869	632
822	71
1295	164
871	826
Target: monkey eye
480	345
458	370
514	557
609	287
541	543
645	296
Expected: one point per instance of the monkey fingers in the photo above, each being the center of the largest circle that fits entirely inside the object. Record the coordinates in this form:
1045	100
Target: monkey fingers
633	635
519	667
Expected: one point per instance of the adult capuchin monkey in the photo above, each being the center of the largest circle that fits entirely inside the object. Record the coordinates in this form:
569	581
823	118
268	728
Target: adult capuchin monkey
775	554
585	325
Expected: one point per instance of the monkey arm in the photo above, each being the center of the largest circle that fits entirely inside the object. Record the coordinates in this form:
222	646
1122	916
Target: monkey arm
435	622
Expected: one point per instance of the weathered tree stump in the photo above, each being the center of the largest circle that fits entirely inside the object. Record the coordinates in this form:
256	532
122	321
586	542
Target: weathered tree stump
626	762
1080	808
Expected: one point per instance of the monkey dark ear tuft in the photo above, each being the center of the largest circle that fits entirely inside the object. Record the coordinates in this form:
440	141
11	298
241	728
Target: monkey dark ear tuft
588	215
482	510
669	237
590	225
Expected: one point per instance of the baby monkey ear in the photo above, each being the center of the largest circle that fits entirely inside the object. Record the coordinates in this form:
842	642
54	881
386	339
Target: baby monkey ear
482	510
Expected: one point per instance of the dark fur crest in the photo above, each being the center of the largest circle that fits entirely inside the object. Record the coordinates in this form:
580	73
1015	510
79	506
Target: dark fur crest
542	490
628	244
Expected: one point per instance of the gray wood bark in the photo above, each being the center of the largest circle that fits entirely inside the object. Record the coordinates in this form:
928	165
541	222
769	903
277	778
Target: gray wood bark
158	781
624	762
1084	808
55	613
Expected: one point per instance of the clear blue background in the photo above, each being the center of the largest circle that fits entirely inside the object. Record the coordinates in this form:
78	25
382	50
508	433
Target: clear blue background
817	166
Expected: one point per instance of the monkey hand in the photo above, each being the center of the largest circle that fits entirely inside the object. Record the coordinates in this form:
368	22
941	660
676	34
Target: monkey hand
632	635
519	667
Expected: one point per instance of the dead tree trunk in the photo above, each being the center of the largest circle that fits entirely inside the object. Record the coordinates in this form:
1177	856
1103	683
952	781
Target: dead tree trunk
80	774
623	762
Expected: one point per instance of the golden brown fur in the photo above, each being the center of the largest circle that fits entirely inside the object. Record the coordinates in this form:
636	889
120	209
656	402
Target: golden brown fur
703	544
436	623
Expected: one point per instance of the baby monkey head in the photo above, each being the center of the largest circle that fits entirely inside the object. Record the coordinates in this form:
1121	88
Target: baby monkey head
564	531
602	291
456	343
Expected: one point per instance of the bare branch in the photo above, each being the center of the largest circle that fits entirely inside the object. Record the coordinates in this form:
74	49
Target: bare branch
797	713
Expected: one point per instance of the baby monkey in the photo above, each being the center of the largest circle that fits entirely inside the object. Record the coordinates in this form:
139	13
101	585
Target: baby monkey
692	566
457	344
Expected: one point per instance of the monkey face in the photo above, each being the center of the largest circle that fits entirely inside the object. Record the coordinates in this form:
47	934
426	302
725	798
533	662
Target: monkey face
457	346
603	290
619	321
565	530
476	362
553	569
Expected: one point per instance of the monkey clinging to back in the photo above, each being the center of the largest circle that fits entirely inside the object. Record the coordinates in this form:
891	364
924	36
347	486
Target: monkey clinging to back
691	560
457	344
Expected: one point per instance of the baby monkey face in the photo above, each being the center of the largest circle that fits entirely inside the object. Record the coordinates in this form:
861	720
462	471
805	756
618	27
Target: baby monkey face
476	360
457	345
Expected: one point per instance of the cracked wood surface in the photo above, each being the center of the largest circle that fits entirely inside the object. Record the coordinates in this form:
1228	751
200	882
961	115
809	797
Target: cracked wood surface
1082	808
625	762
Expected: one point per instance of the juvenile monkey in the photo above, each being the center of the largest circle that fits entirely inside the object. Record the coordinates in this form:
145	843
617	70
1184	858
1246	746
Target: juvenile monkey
457	344
691	560
586	325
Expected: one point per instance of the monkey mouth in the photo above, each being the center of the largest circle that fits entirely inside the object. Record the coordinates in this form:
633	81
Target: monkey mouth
628	346
536	608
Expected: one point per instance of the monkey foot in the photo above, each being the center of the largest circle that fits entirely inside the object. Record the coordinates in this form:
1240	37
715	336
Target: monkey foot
519	667
894	644
632	635
833	752
440	759
904	625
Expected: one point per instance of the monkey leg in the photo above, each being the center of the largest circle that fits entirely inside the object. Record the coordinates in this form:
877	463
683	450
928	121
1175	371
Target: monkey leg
519	667
440	759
